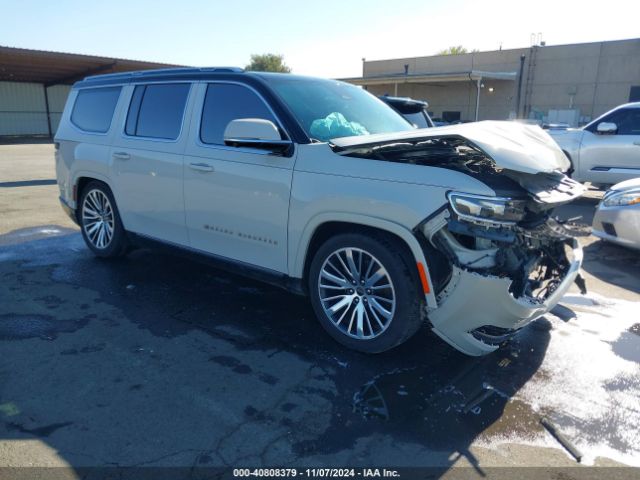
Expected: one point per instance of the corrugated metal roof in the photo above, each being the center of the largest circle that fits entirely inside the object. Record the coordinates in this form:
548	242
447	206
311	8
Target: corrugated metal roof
52	68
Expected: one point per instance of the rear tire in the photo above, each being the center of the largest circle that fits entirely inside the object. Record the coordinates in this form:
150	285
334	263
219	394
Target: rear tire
365	291
100	222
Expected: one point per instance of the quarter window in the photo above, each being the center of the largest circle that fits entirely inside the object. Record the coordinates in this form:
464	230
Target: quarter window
224	103
156	111
93	109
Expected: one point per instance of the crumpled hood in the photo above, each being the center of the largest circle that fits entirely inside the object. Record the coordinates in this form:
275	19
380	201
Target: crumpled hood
512	145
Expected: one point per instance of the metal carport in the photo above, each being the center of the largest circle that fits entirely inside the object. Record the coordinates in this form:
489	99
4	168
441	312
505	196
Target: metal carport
34	81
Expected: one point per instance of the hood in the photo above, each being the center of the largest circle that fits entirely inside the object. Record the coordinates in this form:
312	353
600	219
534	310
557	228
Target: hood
632	184
511	145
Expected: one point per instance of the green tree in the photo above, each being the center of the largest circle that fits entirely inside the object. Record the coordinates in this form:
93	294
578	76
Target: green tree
268	62
455	50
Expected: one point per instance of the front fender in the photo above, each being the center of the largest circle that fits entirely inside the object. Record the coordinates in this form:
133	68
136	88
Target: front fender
297	268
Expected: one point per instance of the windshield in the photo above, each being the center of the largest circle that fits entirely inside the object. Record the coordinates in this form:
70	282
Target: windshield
328	109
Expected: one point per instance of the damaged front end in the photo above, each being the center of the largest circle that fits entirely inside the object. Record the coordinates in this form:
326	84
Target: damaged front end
497	262
496	277
509	261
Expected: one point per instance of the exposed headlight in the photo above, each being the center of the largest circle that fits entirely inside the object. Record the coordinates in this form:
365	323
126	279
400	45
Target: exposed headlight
496	210
618	199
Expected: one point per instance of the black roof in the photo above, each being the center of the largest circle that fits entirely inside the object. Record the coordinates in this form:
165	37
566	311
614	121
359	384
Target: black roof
404	104
254	79
187	73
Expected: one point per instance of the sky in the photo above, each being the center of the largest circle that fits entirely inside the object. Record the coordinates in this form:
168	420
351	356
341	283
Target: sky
326	38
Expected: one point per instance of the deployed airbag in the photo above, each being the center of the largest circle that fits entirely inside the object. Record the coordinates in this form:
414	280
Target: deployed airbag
335	125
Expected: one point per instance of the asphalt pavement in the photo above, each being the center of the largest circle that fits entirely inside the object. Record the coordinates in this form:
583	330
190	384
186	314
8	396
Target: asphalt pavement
157	360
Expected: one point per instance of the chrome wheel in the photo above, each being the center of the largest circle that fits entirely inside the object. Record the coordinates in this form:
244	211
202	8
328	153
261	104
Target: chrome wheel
98	219
356	293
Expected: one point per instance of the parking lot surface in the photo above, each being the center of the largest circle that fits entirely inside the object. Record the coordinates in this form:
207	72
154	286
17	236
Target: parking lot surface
156	360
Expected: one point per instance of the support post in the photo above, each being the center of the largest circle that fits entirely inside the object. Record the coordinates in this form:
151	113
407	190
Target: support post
519	92
478	84
395	89
46	103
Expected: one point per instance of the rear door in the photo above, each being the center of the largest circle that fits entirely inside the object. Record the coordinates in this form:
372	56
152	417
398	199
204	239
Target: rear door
147	160
612	158
236	198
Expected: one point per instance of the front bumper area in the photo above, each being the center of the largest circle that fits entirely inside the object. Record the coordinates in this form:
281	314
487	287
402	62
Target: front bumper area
620	225
473	300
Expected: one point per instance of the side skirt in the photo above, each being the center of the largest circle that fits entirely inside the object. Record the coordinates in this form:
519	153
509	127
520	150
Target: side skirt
265	275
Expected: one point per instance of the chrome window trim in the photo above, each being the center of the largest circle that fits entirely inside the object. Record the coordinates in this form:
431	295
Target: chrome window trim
115	110
123	133
215	146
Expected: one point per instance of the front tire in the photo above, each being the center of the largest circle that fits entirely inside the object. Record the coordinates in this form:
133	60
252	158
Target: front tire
365	291
100	222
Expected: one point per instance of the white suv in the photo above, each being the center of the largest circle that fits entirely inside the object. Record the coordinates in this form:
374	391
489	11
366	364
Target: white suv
317	186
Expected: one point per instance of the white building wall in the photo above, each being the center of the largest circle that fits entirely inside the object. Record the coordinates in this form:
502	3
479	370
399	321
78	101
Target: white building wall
23	110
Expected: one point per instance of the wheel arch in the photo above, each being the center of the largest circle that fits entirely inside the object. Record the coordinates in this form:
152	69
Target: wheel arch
82	178
80	182
572	167
324	226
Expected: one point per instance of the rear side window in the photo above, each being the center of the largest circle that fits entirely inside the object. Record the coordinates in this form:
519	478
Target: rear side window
226	102
94	109
156	111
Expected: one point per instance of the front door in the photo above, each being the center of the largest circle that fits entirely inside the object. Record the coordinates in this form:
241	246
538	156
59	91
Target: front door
236	199
612	158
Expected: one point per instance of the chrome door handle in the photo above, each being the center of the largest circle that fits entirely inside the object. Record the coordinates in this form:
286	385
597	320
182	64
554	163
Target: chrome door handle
121	155
201	167
637	143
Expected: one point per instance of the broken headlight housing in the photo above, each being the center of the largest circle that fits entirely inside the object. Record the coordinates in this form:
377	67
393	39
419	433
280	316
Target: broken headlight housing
481	209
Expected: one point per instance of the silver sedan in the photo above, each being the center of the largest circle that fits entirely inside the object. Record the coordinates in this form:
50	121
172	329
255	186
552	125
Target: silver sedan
617	218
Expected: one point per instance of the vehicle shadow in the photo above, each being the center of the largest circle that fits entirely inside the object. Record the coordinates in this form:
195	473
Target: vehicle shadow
158	361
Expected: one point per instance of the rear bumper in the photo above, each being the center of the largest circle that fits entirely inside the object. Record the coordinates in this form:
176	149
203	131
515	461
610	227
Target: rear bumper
71	212
481	303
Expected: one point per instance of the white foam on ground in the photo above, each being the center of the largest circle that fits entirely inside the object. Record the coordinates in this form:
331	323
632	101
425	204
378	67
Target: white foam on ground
589	380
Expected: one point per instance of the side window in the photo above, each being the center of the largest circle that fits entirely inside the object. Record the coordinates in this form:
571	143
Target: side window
630	123
627	120
225	102
156	111
94	107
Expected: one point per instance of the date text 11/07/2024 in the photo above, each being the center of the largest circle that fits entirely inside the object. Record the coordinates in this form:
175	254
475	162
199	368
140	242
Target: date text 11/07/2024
316	472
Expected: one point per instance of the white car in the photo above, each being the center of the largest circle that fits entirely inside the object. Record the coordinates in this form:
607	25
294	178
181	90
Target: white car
318	186
607	150
617	218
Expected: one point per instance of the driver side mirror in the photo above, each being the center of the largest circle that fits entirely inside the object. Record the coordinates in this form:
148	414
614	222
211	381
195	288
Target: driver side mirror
255	133
607	128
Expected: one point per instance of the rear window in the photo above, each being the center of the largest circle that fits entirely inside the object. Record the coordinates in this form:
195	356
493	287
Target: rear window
156	111
94	109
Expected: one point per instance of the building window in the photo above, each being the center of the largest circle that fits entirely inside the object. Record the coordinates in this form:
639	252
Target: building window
451	117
